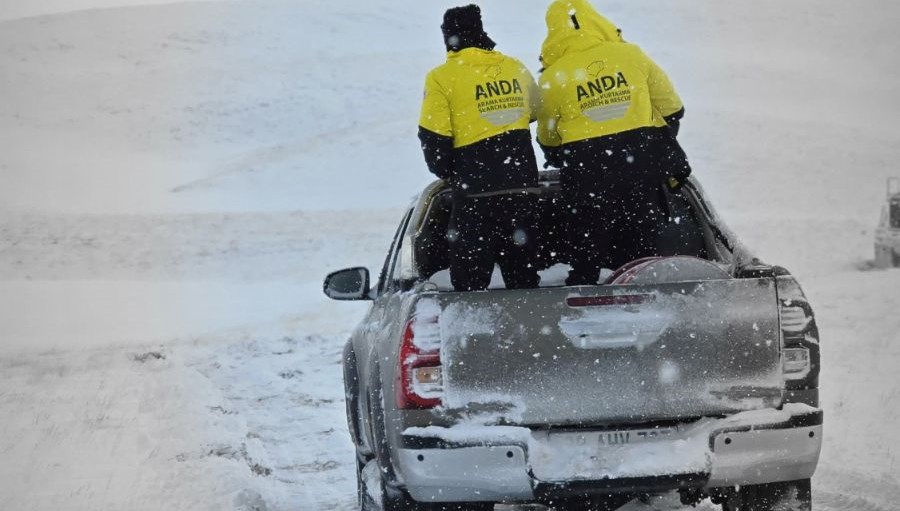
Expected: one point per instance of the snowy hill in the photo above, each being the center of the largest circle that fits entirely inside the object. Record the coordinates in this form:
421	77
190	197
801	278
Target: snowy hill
178	177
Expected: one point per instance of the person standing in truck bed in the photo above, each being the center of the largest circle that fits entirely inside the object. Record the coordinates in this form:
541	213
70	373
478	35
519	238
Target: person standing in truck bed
609	117
474	129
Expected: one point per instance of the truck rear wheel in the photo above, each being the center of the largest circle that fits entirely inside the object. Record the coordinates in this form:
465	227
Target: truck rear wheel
787	496
375	495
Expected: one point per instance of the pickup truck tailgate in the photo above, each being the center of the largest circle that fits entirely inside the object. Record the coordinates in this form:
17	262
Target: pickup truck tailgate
611	354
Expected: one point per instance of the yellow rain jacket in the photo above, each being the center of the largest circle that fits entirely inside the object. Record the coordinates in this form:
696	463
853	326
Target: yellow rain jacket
475	118
594	83
477	94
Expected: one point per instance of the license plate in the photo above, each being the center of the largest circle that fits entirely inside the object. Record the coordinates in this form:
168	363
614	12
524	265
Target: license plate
614	438
634	436
594	455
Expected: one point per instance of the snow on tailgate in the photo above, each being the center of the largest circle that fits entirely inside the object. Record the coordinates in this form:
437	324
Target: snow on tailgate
683	349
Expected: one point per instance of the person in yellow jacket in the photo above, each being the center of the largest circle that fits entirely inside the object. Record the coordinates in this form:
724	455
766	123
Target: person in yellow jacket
608	119
474	130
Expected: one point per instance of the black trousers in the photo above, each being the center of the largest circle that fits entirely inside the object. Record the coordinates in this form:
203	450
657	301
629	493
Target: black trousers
616	208
609	230
488	230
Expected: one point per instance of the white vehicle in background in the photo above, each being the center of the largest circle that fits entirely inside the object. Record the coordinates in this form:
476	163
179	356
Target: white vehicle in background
887	236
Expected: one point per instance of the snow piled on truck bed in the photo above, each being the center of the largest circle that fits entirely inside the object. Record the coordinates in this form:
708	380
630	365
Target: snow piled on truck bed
176	179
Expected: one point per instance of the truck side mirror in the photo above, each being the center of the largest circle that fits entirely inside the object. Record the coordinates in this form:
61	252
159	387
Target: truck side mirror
349	284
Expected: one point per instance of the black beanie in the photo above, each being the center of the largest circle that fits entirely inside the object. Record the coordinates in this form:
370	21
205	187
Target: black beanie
463	29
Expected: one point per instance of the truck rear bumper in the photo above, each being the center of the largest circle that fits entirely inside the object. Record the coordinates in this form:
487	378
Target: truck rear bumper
765	454
443	465
467	474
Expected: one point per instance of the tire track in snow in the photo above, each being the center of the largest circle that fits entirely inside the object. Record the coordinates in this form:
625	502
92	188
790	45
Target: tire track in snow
284	412
277	155
835	489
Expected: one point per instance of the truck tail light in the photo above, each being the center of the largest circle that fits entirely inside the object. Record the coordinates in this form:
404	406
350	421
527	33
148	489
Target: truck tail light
795	363
419	375
800	353
796	319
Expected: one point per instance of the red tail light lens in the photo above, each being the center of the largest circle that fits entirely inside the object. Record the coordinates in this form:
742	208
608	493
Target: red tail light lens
795	319
795	363
419	375
800	354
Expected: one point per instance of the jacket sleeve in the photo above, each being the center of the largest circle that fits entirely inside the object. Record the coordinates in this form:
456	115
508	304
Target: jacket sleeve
548	117
534	96
674	121
438	152
662	93
436	129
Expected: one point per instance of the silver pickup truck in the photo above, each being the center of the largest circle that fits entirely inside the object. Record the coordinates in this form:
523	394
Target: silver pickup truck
696	373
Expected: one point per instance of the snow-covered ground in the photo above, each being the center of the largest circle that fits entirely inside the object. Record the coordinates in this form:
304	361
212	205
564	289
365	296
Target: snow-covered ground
176	178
